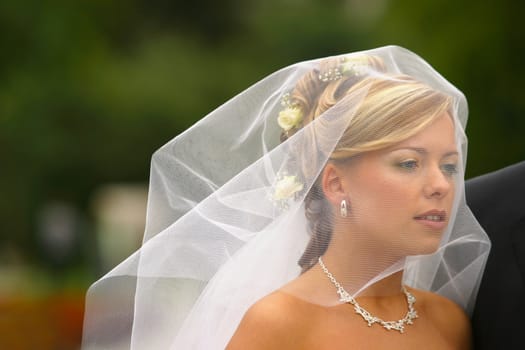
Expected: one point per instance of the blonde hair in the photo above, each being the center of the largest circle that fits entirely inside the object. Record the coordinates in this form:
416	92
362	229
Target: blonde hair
393	108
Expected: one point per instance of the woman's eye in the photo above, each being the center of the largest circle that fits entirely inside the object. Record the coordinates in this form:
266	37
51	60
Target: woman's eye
450	169
409	164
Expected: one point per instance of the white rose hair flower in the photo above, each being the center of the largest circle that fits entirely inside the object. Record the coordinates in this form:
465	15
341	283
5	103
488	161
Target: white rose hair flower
287	187
290	117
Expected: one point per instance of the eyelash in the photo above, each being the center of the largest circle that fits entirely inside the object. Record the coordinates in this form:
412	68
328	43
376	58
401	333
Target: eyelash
450	169
410	165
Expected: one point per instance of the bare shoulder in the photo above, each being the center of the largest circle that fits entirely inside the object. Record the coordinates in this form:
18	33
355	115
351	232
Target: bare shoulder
450	319
277	321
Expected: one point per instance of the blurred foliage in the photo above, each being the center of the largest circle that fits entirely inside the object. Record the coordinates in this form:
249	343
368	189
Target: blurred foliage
90	89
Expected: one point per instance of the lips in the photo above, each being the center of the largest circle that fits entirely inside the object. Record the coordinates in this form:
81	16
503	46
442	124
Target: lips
433	215
434	219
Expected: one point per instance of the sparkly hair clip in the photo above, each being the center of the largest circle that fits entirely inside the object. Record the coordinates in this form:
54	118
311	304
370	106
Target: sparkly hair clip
332	74
348	67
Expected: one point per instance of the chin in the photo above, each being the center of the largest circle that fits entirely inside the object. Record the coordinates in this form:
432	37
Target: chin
423	244
428	246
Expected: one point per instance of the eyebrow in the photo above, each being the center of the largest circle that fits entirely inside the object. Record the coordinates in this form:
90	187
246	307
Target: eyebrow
423	151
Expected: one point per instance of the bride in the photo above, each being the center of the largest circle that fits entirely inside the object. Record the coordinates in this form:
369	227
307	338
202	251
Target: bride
385	193
322	208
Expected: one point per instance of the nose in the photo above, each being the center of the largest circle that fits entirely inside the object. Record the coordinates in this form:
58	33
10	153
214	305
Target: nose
437	184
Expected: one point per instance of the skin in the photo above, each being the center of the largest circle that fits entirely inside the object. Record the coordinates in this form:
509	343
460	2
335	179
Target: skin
386	189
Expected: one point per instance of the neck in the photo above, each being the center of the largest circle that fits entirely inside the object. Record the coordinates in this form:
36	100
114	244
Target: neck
363	269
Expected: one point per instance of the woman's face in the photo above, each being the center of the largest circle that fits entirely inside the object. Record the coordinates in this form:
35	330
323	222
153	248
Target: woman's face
402	196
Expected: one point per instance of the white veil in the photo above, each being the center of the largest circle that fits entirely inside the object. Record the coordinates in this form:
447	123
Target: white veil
226	218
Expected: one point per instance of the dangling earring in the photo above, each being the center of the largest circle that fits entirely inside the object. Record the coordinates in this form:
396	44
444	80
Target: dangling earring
344	210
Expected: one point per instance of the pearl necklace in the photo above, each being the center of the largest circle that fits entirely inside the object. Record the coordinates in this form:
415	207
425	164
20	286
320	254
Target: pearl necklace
345	297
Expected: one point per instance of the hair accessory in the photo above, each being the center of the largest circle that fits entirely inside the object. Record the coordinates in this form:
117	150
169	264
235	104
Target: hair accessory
286	101
344	209
285	189
356	66
345	297
332	74
291	116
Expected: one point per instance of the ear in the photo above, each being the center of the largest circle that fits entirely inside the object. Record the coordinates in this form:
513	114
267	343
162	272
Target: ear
333	184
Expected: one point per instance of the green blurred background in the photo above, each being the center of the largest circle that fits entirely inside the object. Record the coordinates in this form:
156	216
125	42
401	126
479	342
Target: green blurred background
90	89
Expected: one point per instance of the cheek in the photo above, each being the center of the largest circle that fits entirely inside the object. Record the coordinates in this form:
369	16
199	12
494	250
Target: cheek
381	195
